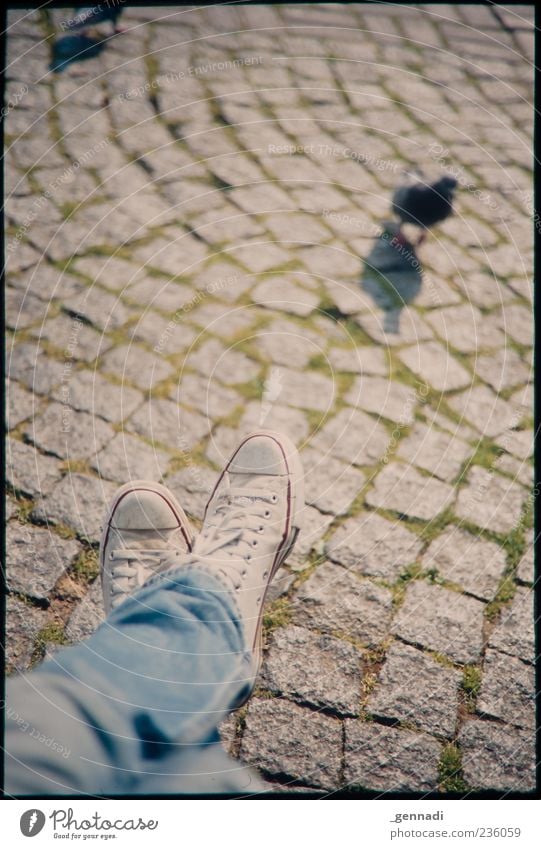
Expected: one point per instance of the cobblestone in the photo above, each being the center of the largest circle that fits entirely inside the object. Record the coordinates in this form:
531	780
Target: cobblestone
507	690
36	558
514	631
403	489
371	545
315	670
388	759
497	757
474	564
285	740
23	624
177	281
416	689
490	501
334	601
442	621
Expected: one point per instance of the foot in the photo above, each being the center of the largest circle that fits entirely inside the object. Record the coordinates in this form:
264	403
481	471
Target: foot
251	524
145	529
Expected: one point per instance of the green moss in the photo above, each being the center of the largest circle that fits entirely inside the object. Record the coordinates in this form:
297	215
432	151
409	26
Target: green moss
87	567
504	594
451	778
471	683
276	615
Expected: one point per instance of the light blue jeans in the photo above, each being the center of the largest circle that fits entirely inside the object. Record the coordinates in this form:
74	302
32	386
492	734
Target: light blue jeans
135	709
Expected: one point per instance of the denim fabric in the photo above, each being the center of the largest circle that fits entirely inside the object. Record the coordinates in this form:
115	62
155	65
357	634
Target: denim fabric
135	708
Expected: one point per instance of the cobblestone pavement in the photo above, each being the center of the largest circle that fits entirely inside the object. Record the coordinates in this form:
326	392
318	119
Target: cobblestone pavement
188	217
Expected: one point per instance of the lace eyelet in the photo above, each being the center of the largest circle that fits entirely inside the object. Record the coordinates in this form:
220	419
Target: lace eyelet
111	556
248	557
258	600
267	514
274	498
260	529
244	573
254	543
265	574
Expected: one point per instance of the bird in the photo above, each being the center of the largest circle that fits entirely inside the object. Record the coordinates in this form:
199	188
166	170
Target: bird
90	16
74	48
422	203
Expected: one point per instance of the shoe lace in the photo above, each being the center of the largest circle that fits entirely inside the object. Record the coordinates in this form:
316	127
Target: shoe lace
233	530
132	567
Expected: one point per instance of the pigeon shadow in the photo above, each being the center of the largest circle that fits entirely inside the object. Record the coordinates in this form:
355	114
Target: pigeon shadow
392	274
69	49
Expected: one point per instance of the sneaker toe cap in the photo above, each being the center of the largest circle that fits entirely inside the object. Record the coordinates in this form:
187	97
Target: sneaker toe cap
144	510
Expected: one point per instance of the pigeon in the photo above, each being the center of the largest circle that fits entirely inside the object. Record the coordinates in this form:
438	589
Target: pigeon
90	16
424	204
74	48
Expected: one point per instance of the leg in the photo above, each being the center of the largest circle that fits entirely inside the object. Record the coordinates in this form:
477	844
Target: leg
135	708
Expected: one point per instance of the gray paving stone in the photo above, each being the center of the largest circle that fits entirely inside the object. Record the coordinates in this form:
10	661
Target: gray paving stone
489	413
132	363
441	620
280	294
371	545
437	452
285	343
497	757
435	365
333	600
502	369
465	328
192	487
315	670
307	390
475	564
387	398
514	632
259	257
353	436
29	364
28	471
389	759
224	364
156	294
329	262
210	398
313	525
523	399
403	489
91	392
77	340
36	558
68	433
23	624
78	501
87	615
292	742
415	688
333	485
47	282
525	568
507	690
21	404
166	422
490	501
100	308
398	328
22	309
517	322
517	442
360	360
274	416
127	458
179	255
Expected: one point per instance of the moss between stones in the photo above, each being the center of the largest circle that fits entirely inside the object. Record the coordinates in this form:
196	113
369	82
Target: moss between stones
451	778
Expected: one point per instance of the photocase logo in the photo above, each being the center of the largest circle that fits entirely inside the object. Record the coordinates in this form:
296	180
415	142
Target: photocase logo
32	822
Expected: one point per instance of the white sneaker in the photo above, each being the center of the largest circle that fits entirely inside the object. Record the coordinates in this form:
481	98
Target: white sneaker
145	530
251	524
